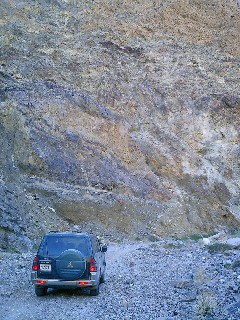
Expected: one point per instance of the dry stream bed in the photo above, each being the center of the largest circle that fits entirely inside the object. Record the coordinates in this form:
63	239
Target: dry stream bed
160	280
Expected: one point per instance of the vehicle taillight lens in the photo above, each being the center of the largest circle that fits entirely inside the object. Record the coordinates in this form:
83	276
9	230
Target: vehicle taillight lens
41	281
84	283
35	264
93	265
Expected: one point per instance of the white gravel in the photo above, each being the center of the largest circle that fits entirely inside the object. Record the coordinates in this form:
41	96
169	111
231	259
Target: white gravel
161	280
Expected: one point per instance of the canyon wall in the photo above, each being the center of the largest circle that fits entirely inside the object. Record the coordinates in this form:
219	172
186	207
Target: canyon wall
117	114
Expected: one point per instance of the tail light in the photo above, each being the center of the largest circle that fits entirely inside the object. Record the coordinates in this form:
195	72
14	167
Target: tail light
84	283
35	264
41	281
93	265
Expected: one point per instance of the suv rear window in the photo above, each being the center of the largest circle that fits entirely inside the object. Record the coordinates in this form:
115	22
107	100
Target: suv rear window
53	246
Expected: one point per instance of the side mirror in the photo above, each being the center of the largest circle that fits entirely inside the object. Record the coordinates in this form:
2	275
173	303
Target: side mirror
104	248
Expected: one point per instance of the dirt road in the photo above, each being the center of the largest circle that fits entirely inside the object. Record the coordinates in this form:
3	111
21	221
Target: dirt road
144	281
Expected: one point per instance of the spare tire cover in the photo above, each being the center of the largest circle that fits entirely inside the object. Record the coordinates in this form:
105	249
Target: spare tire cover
70	265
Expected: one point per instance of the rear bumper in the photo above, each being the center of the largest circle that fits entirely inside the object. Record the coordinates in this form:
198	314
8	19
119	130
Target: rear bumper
59	283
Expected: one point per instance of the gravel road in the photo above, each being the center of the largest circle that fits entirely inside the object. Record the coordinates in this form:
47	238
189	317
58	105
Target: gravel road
161	280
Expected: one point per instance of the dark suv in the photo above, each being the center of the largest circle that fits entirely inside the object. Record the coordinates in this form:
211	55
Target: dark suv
69	260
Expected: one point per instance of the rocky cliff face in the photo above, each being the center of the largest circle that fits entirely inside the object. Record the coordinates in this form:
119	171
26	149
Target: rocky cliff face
119	114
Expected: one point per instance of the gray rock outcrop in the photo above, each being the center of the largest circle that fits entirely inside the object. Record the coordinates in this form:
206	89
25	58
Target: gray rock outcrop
121	114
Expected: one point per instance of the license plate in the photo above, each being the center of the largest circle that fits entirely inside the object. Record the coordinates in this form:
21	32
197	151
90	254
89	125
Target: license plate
45	267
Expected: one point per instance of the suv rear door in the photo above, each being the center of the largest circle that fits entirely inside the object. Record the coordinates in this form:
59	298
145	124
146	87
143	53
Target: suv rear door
64	257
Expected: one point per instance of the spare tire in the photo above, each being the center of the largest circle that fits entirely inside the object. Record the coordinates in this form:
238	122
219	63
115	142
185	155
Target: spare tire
70	265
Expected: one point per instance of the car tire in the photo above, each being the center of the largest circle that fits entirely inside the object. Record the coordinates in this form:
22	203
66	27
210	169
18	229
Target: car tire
102	278
94	291
40	291
72	258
